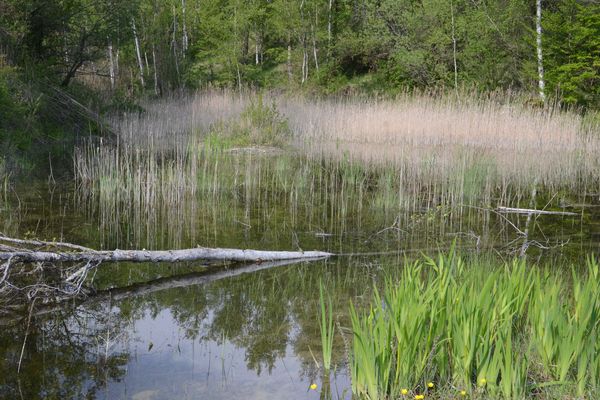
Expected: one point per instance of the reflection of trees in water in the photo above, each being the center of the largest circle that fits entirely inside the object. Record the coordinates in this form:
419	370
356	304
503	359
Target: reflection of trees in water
266	311
67	355
75	354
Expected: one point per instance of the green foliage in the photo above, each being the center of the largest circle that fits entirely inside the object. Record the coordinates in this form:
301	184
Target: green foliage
479	329
337	46
326	327
573	52
18	123
258	125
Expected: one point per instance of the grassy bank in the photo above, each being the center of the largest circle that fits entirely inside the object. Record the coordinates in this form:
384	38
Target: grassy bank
449	329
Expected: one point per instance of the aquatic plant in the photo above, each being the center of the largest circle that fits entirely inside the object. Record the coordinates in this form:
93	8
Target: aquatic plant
326	327
174	165
480	328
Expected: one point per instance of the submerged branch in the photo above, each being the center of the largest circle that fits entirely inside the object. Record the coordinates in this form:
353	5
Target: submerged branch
10	317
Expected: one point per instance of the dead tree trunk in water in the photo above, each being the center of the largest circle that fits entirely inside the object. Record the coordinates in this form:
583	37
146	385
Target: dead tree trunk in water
199	253
61	269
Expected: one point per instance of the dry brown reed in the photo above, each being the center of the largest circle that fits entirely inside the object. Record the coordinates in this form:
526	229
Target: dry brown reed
414	154
521	144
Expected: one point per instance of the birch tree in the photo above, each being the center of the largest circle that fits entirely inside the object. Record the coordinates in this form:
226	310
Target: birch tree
138	51
540	60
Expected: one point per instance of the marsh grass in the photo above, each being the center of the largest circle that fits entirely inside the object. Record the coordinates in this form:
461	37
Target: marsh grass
414	162
506	331
259	124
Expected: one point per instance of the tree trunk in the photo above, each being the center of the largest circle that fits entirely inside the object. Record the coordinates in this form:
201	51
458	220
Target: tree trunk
329	18
454	47
314	40
138	52
184	39
111	64
155	70
540	60
117	61
159	255
147	64
256	48
289	58
174	44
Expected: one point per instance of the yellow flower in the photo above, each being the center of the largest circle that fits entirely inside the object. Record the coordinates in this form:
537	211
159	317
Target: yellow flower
463	393
404	392
482	382
313	386
430	385
419	397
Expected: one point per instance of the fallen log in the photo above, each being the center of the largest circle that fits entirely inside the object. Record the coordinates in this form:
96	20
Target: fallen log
52	270
194	254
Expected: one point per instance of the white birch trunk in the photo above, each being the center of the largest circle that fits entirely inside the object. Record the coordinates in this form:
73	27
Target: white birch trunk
111	66
174	43
304	63
315	50
454	48
155	70
540	60
185	38
117	61
289	59
137	51
329	19
256	49
147	64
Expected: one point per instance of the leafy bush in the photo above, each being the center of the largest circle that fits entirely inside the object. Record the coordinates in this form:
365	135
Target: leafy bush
259	124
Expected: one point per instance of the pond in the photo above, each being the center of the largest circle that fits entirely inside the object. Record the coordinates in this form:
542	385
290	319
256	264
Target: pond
194	330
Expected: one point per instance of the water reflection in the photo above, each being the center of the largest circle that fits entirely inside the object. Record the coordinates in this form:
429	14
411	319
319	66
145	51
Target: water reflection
196	331
213	334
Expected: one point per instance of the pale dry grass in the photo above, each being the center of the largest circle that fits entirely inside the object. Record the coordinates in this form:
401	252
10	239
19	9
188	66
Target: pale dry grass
172	122
414	154
415	131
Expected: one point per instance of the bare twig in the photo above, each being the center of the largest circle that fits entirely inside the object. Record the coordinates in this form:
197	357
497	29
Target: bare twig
41	243
26	335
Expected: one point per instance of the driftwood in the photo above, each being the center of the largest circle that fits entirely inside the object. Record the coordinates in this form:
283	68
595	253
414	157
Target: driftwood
52	271
80	253
200	253
533	211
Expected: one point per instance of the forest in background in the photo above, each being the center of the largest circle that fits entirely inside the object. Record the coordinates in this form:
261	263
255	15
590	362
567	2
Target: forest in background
64	63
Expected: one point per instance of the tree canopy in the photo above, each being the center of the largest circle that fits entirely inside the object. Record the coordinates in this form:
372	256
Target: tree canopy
323	45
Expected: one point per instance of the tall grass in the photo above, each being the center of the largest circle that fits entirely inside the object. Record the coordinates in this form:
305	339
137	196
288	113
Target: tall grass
447	131
429	155
511	332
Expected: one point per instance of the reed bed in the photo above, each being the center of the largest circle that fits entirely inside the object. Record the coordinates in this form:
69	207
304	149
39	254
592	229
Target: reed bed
449	329
223	199
443	135
430	156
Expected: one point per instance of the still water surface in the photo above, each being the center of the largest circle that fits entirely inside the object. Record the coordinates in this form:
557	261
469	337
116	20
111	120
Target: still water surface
195	331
